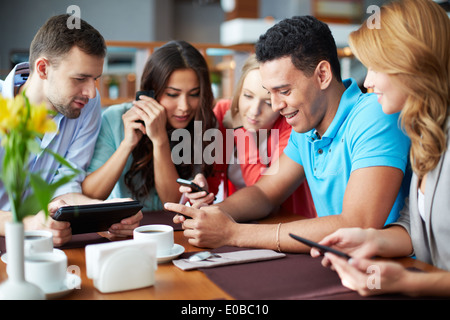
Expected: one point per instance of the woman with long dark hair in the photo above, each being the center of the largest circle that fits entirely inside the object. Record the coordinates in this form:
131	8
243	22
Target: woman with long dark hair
133	154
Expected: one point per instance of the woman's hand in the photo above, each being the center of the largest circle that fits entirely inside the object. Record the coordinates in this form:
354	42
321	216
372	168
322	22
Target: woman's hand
134	130
198	198
154	116
125	227
357	242
370	277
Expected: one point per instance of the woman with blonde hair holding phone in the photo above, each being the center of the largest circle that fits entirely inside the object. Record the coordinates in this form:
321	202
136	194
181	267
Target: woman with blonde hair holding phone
408	60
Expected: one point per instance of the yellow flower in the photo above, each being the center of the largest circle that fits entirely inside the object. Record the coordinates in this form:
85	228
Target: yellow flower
39	121
20	123
3	114
13	112
9	113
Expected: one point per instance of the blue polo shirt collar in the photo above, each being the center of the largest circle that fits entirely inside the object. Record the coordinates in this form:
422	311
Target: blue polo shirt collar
348	101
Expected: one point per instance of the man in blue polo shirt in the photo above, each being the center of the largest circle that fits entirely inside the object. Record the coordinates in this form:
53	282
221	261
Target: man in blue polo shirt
359	136
353	156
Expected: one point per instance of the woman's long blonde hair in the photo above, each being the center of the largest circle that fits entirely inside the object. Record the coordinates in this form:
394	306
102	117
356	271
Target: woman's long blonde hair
250	64
413	46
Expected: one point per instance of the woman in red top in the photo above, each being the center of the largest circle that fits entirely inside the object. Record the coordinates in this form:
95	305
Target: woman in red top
258	136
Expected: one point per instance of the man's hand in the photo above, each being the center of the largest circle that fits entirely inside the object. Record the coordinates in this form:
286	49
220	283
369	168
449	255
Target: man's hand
209	227
61	230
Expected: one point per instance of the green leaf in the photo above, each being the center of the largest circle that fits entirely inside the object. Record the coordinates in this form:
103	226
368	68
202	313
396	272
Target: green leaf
30	206
63	161
34	147
43	192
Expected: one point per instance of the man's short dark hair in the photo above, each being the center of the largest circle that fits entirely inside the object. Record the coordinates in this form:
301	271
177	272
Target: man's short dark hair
305	39
55	39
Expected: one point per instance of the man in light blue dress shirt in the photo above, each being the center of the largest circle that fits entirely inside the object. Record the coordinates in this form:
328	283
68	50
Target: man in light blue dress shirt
64	66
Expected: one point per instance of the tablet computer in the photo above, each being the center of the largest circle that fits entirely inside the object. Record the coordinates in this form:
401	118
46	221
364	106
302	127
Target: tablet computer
96	217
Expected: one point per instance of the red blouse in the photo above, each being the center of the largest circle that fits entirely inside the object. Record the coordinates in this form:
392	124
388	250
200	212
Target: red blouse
253	162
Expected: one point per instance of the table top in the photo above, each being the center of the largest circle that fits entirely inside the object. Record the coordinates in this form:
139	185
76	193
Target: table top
171	283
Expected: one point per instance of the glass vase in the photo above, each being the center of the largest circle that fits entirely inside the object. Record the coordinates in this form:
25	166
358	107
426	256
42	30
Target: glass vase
16	287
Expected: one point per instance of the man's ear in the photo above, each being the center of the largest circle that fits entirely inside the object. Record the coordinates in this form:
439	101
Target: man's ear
41	67
324	74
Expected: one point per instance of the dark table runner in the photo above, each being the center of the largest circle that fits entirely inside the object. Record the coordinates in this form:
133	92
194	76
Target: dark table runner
295	277
82	240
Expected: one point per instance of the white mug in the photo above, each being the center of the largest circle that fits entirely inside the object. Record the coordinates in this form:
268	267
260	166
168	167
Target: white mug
47	270
159	233
38	241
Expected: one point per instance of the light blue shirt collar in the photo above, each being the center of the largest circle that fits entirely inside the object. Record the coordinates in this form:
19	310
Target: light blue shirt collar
348	100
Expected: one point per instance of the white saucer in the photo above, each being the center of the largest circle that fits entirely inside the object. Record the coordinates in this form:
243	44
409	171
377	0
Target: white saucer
176	251
5	255
72	282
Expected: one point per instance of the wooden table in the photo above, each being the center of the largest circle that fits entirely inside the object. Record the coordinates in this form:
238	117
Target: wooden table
171	282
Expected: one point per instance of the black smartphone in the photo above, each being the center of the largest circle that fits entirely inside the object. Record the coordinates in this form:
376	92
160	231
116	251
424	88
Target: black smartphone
322	248
194	187
148	93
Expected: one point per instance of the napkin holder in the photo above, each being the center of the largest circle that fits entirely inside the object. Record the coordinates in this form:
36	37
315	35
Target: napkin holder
121	265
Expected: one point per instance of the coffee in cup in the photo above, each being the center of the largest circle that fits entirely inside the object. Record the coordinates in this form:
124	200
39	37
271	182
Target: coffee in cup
161	234
37	241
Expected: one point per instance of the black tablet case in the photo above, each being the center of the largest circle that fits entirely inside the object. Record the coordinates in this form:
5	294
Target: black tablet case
96	217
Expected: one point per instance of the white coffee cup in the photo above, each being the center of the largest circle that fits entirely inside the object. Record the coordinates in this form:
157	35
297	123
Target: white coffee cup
160	233
47	270
38	241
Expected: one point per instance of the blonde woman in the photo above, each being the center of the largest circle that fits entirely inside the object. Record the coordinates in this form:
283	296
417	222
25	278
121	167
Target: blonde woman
408	62
261	135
